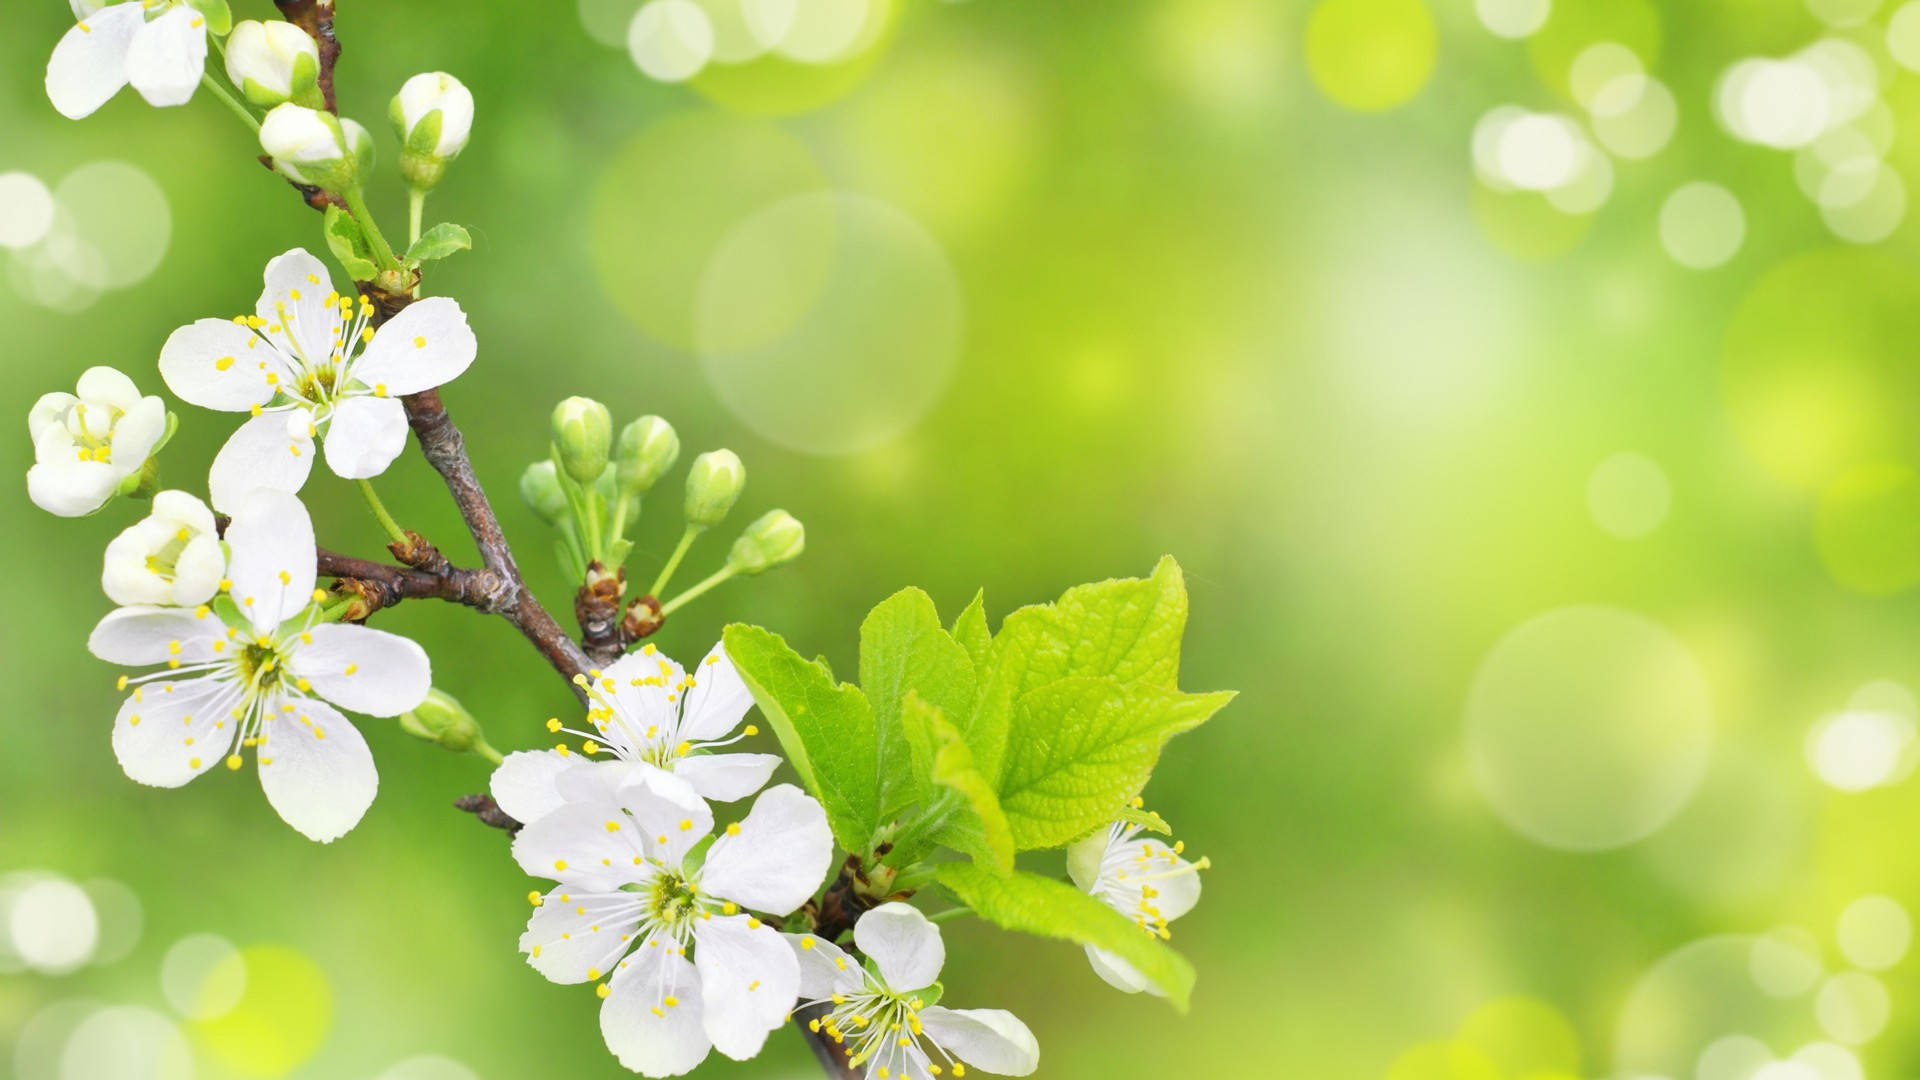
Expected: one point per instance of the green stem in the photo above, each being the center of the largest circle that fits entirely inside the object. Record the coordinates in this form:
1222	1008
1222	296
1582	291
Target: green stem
392	527
357	203
487	753
416	206
232	102
595	511
692	594
673	561
619	521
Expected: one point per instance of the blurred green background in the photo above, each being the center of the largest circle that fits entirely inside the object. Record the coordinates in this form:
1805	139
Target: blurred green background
1556	516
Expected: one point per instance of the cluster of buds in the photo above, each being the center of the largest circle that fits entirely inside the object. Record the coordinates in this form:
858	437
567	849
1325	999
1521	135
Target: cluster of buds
591	487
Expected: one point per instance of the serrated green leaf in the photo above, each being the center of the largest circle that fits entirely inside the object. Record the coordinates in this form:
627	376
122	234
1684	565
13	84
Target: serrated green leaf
978	826
1127	629
904	649
1082	747
970	630
349	245
1032	904
439	242
825	727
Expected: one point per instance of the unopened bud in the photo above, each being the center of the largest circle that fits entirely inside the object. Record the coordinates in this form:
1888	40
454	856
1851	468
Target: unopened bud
308	146
273	63
713	486
776	538
443	721
583	438
360	143
648	448
540	487
433	114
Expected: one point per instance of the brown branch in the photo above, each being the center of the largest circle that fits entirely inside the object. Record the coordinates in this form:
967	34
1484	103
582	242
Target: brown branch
316	18
833	916
489	812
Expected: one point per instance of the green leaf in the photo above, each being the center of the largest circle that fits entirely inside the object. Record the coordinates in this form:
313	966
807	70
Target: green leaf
1128	629
1038	905
1082	747
439	242
349	245
1146	819
904	649
978	827
970	630
825	727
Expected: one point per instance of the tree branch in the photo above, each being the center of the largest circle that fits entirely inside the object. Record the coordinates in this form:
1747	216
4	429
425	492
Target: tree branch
316	18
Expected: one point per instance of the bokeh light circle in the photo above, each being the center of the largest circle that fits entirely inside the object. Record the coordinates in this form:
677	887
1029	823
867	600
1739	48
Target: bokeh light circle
1522	1036
126	1042
1538	151
1588	728
1785	962
1634	116
1863	209
1371	55
114	225
1843	12
1903	35
1693	998
670	40
202	976
1702	225
824	31
607	21
1874	932
1577	25
829	323
1830	1061
1860	749
1853	1007
281	1019
1733	1057
1628	495
41	1040
1512	18
53	926
1866	528
121	918
26	209
1599	66
429	1067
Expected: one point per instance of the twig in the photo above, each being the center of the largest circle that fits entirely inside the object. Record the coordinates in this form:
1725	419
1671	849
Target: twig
316	18
489	812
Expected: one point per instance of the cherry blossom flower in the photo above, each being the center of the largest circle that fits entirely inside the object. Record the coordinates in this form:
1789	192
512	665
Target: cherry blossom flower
171	558
88	444
160	46
1141	878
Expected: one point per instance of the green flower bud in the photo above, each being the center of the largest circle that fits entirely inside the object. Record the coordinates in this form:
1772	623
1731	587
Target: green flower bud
583	438
308	146
648	448
443	721
540	487
433	114
776	538
713	486
360	141
273	63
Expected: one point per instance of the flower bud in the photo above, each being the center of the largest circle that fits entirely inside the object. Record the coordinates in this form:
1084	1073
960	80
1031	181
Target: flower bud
582	438
171	558
91	443
308	146
360	142
776	538
540	487
443	721
433	114
713	486
273	63
648	448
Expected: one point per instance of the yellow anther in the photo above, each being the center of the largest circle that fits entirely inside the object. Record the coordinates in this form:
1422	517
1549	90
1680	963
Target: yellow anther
234	762
686	824
602	991
593	973
319	595
223	363
751	730
613	826
562	748
534	898
553	723
806	943
753	924
589	747
733	828
670	1001
560	864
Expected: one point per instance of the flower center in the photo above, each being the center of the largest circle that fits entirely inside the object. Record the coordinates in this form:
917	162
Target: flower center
672	900
161	563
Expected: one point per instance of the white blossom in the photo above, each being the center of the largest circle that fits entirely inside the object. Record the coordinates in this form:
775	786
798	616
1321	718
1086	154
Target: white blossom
879	1012
1140	877
170	558
85	444
423	96
160	46
250	672
308	362
271	62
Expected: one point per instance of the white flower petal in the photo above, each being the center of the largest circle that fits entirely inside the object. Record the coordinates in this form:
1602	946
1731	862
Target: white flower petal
71	488
825	969
260	454
184	509
579	938
717	701
749	978
777	857
167	733
103	385
125	575
364	436
644	1033
726	777
294	304
366	670
138	636
990	1039
671	815
137	433
272	566
49	411
198	569
588	780
1084	857
574	845
523	786
903	944
1119	974
316	769
168	56
427	345
219	364
89	65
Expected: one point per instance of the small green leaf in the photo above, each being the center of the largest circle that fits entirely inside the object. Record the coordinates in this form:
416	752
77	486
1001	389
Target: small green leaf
825	727
349	245
1081	747
979	827
1038	905
903	649
970	630
439	242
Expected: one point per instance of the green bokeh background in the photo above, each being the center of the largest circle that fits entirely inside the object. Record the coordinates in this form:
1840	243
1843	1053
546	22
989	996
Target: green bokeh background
1208	311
